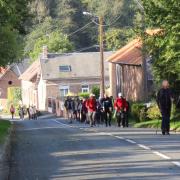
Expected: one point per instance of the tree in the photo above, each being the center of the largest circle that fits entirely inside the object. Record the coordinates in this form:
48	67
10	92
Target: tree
55	41
164	47
13	17
116	38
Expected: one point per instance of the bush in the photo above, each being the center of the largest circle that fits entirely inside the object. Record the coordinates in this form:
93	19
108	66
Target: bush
83	95
96	91
14	97
153	112
138	111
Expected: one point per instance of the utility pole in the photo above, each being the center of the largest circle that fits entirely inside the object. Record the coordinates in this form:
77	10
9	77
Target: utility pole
144	63
101	44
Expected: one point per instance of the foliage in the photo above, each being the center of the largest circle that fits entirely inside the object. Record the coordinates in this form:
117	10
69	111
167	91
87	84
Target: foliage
164	47
14	97
13	17
137	110
116	38
4	129
11	46
55	41
153	112
96	91
83	95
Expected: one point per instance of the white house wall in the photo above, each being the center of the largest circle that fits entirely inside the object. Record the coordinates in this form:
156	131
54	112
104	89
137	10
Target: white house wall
42	94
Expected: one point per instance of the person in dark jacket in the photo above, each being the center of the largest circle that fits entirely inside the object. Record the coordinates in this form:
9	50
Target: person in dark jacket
126	113
107	109
164	102
69	105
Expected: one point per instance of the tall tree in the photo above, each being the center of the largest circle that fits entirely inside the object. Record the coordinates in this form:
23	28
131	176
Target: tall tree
164	47
13	17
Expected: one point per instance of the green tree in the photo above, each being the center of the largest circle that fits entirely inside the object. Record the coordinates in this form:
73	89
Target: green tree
55	41
13	17
96	91
164	47
116	38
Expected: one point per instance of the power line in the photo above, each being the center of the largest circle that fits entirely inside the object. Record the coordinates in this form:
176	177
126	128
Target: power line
105	25
80	29
86	48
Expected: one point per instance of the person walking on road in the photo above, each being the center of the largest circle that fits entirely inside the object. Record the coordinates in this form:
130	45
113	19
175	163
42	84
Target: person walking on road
164	101
120	108
91	106
12	111
34	113
21	112
68	104
107	109
126	113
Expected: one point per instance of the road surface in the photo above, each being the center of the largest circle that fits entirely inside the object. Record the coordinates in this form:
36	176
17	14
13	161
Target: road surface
51	149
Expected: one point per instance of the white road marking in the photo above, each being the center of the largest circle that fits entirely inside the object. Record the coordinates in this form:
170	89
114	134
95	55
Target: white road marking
63	124
176	163
161	155
118	137
130	141
31	129
144	147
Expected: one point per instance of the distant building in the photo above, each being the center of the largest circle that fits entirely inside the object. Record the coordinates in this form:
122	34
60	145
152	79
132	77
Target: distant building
126	72
9	78
49	79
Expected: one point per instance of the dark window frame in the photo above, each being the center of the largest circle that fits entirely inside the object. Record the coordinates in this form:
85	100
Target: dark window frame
65	68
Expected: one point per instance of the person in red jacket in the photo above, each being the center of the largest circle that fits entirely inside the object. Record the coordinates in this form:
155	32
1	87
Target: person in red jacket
91	106
120	107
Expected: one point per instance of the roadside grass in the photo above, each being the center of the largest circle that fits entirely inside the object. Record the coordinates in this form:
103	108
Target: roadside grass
175	125
4	128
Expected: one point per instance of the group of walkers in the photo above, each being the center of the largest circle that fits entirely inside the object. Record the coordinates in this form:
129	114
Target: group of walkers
31	111
95	111
98	111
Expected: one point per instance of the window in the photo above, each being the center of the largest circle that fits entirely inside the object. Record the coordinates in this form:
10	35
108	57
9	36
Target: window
65	68
64	90
85	88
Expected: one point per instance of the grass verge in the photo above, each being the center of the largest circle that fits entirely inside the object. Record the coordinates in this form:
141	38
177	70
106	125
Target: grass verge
4	128
154	123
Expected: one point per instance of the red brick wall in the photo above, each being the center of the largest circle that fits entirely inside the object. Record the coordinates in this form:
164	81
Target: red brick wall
132	82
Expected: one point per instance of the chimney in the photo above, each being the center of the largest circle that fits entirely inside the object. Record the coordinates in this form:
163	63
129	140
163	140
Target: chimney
45	52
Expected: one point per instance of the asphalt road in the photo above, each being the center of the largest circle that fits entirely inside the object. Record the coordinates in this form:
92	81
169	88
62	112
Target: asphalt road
51	149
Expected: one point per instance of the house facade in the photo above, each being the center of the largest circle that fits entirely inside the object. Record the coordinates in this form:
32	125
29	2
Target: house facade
8	78
53	76
126	73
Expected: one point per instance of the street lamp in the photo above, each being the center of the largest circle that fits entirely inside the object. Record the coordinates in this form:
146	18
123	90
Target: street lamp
101	45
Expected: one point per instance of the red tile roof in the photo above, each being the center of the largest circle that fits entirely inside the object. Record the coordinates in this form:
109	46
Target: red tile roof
129	54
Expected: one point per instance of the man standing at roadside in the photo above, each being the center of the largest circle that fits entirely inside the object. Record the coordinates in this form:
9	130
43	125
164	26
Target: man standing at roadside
164	102
91	106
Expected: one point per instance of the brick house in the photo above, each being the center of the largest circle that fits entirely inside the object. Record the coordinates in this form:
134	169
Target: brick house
49	79
9	78
126	71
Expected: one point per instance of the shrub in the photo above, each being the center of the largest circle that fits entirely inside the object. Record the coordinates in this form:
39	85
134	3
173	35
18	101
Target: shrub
138	111
83	95
153	112
96	91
